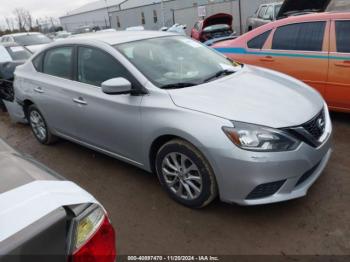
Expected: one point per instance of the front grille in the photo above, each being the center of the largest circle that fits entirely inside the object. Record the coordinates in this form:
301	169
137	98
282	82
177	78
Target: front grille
316	126
312	131
265	190
307	175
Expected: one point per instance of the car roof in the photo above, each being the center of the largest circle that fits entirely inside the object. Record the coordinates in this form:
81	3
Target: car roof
298	19
314	17
23	33
114	38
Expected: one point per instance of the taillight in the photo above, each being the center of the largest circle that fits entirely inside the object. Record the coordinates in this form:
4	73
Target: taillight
93	237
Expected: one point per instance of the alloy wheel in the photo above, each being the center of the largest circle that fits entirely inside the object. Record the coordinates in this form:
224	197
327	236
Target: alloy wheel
182	176
38	125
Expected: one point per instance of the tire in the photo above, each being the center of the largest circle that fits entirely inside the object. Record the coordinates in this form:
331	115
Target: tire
39	126
191	170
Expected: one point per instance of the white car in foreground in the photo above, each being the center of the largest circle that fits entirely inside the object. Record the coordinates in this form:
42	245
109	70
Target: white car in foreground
46	218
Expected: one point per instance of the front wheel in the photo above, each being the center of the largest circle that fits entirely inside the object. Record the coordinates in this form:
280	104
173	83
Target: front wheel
39	126
185	174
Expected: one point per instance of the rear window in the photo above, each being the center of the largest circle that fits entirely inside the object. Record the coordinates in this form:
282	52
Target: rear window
32	39
300	37
18	53
259	41
343	36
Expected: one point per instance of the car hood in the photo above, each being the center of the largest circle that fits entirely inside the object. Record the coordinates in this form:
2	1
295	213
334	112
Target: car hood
289	6
216	19
253	95
35	48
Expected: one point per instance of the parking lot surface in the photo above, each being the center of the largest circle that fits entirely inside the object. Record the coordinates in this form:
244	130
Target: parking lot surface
148	222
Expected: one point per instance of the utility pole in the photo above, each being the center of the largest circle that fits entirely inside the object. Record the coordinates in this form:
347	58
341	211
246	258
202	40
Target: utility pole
162	11
109	17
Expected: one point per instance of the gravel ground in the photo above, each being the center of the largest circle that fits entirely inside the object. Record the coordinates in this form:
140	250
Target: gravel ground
148	222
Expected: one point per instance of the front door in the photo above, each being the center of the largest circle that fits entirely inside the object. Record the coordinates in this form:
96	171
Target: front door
108	122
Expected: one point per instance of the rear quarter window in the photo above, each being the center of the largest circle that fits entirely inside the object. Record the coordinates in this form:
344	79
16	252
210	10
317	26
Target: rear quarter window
258	41
38	62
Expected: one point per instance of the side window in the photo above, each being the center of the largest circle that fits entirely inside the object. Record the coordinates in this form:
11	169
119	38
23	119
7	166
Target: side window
38	62
300	37
259	41
58	62
269	13
95	66
262	11
342	29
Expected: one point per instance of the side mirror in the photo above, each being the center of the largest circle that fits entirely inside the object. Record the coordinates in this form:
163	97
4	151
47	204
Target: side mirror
116	86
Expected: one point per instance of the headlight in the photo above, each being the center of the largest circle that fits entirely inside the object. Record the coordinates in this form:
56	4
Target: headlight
259	138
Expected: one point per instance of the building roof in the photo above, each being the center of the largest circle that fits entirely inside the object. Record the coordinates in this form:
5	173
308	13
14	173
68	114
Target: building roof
137	3
95	6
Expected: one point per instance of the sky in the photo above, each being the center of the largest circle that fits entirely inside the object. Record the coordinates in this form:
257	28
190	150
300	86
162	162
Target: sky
39	8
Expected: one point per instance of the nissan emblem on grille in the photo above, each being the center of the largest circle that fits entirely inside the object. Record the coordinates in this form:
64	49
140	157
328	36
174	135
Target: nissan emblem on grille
321	124
316	126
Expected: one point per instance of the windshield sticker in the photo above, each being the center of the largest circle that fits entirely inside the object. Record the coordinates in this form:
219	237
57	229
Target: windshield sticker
227	67
4	55
16	48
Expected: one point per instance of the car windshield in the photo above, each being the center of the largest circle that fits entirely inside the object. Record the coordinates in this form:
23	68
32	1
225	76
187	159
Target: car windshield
216	27
176	61
277	9
19	53
32	39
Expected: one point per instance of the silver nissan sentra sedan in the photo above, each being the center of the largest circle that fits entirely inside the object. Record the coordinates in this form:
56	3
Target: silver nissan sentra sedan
167	104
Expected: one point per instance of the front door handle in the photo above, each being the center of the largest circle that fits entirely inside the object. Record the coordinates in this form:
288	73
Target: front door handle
267	59
39	90
80	101
343	64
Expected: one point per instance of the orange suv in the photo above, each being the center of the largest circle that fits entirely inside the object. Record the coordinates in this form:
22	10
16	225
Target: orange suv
314	48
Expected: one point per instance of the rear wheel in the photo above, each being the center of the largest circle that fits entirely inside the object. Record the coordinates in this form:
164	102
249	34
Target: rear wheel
185	174
39	126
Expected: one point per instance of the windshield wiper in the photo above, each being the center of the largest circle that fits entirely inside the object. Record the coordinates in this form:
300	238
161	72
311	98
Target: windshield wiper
177	85
223	72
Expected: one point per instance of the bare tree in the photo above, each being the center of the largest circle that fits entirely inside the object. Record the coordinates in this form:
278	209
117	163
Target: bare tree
9	22
20	15
28	20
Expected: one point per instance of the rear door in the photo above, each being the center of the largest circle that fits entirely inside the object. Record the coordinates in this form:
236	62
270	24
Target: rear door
53	89
301	51
338	88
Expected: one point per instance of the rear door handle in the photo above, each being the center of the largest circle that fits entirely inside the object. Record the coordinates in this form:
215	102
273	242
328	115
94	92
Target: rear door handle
343	64
267	59
80	101
38	90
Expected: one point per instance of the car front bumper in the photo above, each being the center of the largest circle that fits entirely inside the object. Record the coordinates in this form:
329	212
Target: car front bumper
255	178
